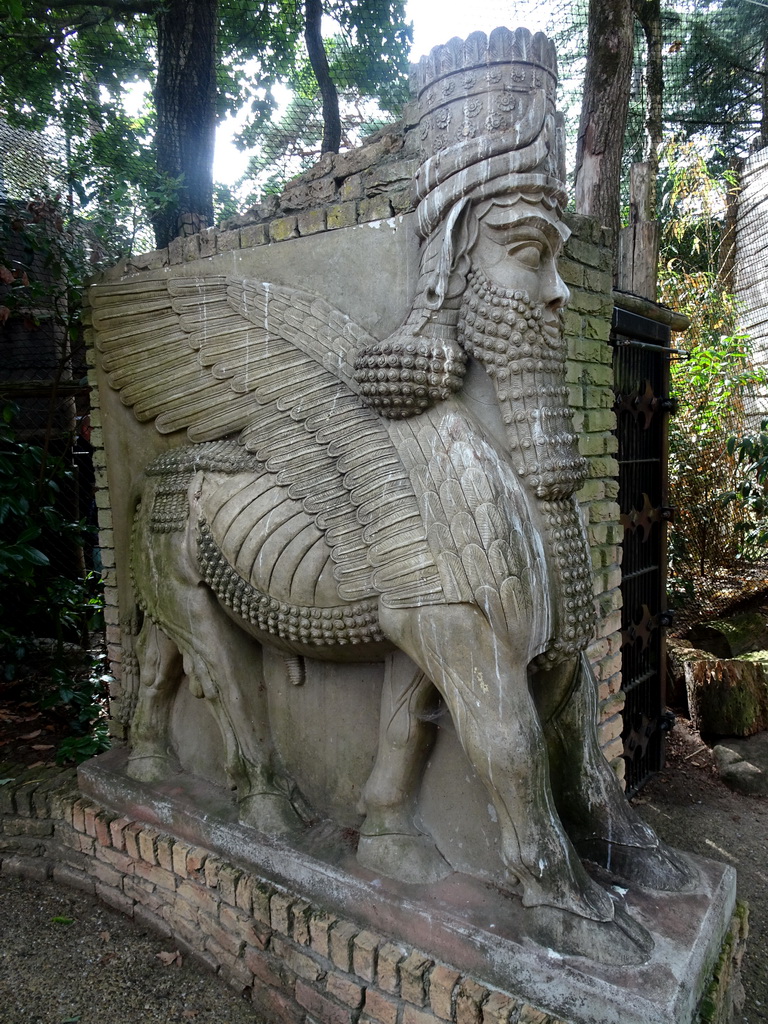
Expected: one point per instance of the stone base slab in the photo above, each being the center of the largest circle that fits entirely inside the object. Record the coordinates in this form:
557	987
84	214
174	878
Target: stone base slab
464	922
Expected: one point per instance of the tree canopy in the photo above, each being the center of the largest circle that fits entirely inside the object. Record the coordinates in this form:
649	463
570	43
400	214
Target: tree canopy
69	66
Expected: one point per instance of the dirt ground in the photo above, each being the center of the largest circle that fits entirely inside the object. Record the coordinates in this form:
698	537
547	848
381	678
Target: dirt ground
690	808
65	958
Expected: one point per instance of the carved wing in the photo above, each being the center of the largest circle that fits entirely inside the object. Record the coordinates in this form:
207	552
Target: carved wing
219	357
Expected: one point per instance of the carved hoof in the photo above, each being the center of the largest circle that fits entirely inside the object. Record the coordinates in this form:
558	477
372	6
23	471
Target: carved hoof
148	767
270	813
407	858
655	867
621	942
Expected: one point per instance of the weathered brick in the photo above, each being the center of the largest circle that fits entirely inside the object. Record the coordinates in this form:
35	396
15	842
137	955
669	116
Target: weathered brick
274	1005
131	839
78	816
261	895
280	912
238	923
115	899
413	1016
319	933
375	208
301	912
340	945
212	867
321	1007
413	971
227	241
229	876
179	853
147	849
72	877
498	1008
28	827
390	956
232	944
469	1000
364	949
156	875
266	968
296	960
199	897
244	894
442	981
116	833
345	991
379	1008
164	849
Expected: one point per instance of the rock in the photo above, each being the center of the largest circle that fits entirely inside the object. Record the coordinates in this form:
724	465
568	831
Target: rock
745	778
725	756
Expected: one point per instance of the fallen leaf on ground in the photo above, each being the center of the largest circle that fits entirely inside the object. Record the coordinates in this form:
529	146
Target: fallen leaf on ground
31	735
43	746
105	936
170	958
189	1013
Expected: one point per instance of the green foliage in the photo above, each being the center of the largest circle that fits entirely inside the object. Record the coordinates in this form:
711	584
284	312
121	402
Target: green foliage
70	68
715	528
751	490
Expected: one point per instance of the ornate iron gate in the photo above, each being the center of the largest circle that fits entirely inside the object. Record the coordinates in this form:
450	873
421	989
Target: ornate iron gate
641	381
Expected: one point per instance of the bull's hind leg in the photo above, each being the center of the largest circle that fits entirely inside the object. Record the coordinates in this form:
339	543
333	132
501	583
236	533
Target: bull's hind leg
160	674
390	841
600	821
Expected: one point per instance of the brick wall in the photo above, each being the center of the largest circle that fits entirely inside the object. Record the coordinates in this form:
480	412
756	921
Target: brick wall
297	963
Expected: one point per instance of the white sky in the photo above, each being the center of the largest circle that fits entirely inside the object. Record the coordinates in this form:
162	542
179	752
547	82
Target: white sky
434	22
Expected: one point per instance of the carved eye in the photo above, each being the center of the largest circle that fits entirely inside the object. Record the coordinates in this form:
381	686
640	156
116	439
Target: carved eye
529	254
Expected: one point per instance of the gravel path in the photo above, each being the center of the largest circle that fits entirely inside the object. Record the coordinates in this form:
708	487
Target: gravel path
65	958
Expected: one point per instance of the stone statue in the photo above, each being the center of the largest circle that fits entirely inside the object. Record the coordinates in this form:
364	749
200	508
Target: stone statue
409	498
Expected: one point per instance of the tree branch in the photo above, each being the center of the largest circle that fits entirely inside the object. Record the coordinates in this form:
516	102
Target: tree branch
319	62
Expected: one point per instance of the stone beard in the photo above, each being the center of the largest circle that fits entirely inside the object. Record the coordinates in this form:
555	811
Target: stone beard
524	354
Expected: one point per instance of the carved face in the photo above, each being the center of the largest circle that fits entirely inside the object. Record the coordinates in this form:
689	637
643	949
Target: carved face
517	248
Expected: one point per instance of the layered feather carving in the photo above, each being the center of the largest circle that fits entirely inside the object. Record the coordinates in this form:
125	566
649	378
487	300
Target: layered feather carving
272	366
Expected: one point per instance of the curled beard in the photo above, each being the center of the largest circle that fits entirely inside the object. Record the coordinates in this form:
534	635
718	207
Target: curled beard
524	354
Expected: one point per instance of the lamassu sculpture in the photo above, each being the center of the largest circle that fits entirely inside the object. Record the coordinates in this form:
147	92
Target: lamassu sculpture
409	498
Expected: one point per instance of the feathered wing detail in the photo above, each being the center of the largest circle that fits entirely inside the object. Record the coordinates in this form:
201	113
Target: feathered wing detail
220	357
479	526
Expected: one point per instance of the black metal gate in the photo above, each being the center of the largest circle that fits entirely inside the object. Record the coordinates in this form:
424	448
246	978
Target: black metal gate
641	381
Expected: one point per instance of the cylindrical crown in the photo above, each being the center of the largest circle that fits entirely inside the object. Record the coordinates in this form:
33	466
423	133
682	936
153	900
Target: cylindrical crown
487	120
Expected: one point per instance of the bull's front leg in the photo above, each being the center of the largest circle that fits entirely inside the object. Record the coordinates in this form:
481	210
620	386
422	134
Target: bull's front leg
160	675
485	684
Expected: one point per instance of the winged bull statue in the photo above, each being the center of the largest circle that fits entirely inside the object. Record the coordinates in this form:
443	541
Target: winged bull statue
409	498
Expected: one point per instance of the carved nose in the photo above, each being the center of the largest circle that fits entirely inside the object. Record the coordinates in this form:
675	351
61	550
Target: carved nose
556	294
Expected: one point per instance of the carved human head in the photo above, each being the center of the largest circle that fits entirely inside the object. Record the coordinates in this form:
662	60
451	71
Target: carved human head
489	199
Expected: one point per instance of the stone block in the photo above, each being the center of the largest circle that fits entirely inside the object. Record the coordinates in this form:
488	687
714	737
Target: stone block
227	241
375	208
283	228
311	221
341	215
253	235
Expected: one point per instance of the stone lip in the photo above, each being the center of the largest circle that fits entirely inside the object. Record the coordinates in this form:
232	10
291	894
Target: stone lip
461	921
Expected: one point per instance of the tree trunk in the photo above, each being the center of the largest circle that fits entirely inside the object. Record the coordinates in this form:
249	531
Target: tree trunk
185	98
319	61
604	111
648	13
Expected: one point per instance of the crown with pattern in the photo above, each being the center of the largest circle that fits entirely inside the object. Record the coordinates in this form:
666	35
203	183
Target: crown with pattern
486	121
